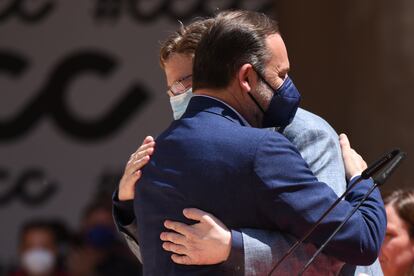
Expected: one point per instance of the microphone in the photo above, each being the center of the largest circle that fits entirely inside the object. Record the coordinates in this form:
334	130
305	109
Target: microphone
379	164
379	179
367	173
385	173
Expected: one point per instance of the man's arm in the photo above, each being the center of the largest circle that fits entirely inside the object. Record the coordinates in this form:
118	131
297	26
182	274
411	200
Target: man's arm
285	183
123	209
124	218
320	148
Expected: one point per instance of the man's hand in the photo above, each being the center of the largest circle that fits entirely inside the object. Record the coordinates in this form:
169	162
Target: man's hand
204	243
133	168
354	164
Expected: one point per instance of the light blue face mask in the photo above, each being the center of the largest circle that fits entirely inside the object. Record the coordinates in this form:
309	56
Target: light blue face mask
180	102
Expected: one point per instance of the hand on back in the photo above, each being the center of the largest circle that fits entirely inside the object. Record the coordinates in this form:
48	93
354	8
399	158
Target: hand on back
353	162
133	168
204	243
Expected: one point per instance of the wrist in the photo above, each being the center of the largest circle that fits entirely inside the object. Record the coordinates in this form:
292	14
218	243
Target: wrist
124	197
124	194
353	175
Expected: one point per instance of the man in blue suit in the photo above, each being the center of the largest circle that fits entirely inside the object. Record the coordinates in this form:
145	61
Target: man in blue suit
248	177
210	239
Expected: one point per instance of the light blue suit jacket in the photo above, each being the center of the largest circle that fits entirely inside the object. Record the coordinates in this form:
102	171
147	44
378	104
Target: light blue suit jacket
318	144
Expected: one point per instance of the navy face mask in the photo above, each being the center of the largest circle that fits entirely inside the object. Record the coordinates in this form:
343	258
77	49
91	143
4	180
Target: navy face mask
100	236
283	105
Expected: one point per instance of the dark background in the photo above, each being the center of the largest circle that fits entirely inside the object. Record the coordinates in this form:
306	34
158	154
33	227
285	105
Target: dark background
353	61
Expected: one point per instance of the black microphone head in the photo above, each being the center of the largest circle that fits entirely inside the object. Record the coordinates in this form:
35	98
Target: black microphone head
381	177
379	164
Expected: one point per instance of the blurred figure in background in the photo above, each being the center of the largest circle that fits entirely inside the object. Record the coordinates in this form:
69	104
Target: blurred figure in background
397	252
97	251
39	250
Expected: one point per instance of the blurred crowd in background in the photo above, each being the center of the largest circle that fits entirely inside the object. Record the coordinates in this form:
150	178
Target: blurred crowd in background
48	247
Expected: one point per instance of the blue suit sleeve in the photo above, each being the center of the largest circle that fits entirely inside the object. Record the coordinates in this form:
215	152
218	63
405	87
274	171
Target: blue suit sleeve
292	200
319	147
123	211
235	262
125	221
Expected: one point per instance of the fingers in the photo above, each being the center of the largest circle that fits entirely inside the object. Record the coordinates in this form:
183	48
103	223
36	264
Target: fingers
146	146
195	214
148	139
133	178
144	153
136	176
147	149
148	142
181	259
347	151
141	157
132	168
136	165
175	248
346	148
365	165
361	160
354	163
344	142
173	237
202	217
179	227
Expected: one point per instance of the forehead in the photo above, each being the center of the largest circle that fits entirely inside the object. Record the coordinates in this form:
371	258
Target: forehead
178	66
38	237
279	60
394	222
99	216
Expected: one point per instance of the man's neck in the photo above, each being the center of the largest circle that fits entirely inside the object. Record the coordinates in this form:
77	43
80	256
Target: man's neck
227	97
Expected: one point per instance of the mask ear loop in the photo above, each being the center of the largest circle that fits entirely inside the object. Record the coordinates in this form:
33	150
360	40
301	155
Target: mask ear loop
253	98
256	102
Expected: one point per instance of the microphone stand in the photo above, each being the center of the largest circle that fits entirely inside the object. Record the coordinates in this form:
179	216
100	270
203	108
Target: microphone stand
379	179
367	173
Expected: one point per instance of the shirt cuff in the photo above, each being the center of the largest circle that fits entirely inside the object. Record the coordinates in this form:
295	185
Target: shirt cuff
235	261
353	178
123	210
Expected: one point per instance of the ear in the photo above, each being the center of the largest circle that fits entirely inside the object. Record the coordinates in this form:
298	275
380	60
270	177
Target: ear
246	77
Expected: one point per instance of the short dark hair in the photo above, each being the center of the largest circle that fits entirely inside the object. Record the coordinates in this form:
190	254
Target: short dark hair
403	203
234	39
185	40
97	205
38	224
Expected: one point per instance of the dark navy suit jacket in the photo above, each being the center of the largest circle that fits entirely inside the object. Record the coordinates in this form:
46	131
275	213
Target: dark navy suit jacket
248	177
